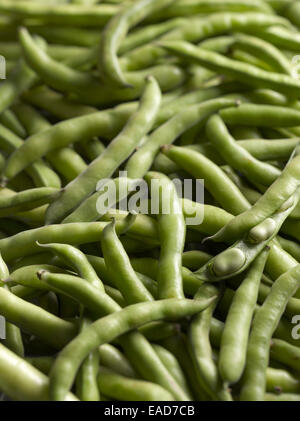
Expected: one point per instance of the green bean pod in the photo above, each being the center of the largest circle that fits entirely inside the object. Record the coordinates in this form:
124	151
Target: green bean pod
285	353
61	13
25	243
261	115
124	388
119	268
173	366
264	51
55	103
199	28
117	151
116	30
281	37
171	229
11	202
145	360
234	339
264	324
110	327
26	275
242	72
20	79
201	350
42	175
236	156
236	258
201	167
142	159
49	328
21	381
279	380
86	381
10	120
191	7
93	207
76	260
116	361
277	194
290	246
85	87
65	160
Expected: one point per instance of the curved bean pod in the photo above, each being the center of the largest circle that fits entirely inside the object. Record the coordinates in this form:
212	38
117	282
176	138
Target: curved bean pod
277	194
116	30
77	260
145	359
13	339
141	161
110	327
219	23
242	72
199	28
264	51
117	151
95	300
201	167
87	88
237	157
119	268
104	123
261	149
237	257
265	150
26	275
146	34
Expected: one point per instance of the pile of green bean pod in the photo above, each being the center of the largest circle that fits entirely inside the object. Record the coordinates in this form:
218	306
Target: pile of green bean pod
188	113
